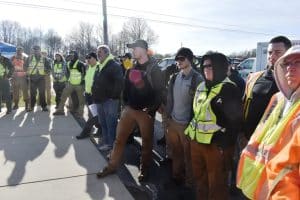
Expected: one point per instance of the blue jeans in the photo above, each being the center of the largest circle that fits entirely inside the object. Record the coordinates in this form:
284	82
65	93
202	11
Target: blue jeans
108	119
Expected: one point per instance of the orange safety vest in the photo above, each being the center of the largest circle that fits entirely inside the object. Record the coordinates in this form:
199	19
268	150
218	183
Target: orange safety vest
271	134
18	64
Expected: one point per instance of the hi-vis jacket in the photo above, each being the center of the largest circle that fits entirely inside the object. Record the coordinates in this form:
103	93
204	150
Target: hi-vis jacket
59	72
37	66
276	128
206	123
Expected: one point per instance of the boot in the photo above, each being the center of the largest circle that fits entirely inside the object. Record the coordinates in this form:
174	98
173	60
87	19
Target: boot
105	171
84	134
86	129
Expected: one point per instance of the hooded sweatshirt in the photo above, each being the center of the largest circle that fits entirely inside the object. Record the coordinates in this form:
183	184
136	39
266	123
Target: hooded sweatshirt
226	105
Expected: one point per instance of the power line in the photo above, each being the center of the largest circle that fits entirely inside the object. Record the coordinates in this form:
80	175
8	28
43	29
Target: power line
157	13
123	16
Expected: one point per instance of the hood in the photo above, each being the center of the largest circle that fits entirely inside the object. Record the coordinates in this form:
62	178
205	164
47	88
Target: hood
220	67
280	75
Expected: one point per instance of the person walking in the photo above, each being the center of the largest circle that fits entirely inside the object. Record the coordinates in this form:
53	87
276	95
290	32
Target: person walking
93	65
213	130
142	97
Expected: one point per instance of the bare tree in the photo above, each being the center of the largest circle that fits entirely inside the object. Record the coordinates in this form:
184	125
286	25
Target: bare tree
137	28
133	29
9	30
52	41
83	39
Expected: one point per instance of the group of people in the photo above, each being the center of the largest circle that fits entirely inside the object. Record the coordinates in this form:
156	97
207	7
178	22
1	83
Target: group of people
210	115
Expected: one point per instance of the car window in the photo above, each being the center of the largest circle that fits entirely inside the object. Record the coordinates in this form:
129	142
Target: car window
163	63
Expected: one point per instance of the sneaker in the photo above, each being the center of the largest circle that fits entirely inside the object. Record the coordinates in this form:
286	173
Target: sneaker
45	109
105	171
104	147
82	136
59	113
15	107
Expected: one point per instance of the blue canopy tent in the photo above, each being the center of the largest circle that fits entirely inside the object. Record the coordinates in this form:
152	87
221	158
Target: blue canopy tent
7	50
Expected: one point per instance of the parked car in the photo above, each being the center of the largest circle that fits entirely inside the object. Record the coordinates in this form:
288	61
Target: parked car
246	67
164	63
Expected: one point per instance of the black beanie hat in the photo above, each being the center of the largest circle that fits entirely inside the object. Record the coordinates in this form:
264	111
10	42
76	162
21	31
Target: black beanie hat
92	54
185	52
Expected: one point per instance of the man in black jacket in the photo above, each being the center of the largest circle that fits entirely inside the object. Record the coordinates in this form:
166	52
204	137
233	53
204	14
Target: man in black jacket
106	92
142	96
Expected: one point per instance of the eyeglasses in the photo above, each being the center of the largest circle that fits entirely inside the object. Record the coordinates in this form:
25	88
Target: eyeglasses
180	58
295	63
208	65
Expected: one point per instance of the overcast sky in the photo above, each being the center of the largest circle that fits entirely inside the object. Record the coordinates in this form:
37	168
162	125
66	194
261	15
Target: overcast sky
226	26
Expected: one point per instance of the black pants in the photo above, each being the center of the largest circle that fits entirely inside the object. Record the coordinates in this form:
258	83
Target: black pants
5	93
58	88
37	82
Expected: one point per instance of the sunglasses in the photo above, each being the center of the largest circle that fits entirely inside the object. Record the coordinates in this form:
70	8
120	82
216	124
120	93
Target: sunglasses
88	57
180	58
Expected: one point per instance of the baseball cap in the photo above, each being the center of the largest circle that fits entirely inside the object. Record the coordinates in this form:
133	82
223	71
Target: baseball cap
185	52
138	43
91	55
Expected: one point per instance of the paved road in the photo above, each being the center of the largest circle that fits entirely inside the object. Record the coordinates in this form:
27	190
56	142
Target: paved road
41	159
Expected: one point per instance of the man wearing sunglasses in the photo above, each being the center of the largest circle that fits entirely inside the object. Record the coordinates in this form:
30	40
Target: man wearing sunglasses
179	111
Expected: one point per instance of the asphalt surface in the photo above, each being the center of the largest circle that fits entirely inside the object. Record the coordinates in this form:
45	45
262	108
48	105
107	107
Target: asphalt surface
158	186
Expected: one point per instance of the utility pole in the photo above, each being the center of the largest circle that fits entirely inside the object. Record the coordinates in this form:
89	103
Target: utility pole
105	34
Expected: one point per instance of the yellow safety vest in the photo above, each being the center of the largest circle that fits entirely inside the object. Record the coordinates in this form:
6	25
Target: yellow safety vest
204	124
89	77
75	75
267	140
2	70
36	68
253	77
59	73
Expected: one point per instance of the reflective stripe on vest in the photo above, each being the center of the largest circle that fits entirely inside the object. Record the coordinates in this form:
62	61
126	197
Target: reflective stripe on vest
75	75
18	64
2	70
59	74
36	68
204	124
262	147
249	91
